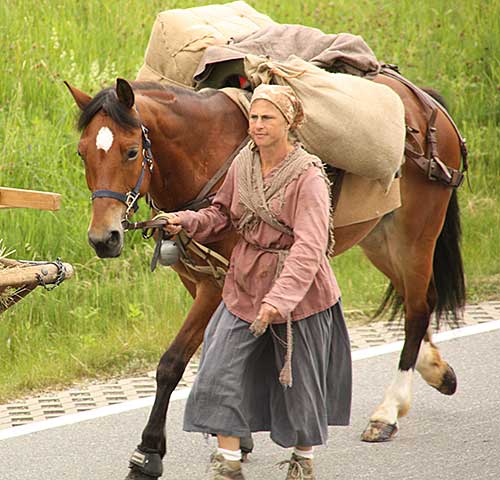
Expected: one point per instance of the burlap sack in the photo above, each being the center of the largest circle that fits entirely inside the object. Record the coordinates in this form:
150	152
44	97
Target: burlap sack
179	39
350	123
361	199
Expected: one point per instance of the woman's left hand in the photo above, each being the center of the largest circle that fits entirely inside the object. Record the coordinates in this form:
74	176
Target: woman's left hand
174	223
267	314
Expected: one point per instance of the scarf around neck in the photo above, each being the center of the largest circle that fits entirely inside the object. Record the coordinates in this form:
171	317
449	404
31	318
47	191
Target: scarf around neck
255	196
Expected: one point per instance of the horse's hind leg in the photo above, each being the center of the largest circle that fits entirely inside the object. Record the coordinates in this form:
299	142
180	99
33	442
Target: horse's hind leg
434	369
382	247
405	254
146	462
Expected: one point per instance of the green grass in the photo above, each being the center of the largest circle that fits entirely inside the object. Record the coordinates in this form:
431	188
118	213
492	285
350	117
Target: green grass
115	315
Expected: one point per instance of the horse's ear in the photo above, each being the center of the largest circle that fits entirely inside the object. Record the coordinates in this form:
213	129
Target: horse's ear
125	93
81	99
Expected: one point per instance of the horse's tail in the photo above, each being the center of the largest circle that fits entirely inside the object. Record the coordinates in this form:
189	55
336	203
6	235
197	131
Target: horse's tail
448	269
448	282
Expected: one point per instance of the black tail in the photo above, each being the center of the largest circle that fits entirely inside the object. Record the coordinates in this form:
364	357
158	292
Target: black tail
449	280
391	303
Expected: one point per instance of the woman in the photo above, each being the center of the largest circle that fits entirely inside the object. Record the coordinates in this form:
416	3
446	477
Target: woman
277	197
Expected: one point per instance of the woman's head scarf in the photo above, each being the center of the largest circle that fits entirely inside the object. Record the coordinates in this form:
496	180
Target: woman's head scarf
284	99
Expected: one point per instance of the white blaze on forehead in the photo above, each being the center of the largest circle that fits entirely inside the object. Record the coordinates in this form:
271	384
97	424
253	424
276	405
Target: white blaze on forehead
104	139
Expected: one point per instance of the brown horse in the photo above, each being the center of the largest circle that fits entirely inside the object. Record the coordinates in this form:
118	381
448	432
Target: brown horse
191	134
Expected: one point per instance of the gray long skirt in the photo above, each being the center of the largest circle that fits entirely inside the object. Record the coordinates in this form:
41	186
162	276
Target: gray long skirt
237	388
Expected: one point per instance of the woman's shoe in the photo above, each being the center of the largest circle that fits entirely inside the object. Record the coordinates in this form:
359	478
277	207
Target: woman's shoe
222	469
299	468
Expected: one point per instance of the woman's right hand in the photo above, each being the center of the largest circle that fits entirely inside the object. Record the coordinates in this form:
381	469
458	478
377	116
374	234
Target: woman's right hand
174	223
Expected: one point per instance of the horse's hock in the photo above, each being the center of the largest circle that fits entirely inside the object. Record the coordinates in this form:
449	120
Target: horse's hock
19	277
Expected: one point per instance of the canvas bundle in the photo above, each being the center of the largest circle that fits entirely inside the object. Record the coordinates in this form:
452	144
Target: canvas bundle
180	37
351	123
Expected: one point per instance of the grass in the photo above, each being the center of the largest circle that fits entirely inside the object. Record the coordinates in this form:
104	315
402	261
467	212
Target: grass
116	316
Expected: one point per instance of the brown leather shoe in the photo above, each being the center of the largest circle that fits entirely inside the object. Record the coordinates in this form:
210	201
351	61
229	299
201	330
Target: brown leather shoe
222	469
299	468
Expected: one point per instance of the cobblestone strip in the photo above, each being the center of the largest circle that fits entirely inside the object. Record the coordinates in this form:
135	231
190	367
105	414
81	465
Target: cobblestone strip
92	396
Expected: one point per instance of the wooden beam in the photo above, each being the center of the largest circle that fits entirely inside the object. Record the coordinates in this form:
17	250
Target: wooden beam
18	198
28	274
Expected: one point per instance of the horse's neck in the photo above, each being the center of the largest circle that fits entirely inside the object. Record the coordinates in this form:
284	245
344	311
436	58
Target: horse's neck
191	138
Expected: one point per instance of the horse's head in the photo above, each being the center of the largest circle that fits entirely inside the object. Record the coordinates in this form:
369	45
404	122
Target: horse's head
117	157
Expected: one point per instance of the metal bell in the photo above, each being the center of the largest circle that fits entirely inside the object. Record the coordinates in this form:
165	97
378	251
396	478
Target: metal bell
169	253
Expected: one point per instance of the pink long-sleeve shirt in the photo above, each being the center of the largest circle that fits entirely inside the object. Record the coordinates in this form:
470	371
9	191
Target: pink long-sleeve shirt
306	284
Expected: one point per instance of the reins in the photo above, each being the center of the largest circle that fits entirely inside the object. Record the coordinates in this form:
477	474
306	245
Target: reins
183	241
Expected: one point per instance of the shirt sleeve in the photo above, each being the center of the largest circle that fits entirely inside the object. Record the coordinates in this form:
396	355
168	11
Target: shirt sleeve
212	223
310	227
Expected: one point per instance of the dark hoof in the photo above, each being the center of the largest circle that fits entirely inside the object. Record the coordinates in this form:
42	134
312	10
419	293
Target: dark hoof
449	384
136	474
145	466
379	432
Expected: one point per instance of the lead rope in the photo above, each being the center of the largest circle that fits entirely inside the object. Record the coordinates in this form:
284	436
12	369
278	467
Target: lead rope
258	327
286	378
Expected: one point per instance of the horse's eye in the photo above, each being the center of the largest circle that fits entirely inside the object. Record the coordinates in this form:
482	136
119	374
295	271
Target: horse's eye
132	154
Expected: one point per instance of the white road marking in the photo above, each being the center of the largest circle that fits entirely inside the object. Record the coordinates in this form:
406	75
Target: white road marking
183	393
104	139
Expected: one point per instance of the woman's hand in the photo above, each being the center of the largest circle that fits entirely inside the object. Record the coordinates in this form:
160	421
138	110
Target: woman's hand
174	223
267	314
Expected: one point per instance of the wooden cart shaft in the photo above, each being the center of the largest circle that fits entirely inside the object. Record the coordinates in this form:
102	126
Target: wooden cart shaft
19	198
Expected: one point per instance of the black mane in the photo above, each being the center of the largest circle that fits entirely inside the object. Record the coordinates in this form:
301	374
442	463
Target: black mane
107	101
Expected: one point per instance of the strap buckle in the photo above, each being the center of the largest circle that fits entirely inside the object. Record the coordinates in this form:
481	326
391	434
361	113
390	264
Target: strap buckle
131	202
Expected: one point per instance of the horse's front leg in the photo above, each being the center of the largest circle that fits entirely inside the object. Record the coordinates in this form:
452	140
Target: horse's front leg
146	461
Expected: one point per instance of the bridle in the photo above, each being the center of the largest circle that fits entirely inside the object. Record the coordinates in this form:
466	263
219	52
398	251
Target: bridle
130	199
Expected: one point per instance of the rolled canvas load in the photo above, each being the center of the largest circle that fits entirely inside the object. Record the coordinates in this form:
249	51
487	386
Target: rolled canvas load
180	36
351	123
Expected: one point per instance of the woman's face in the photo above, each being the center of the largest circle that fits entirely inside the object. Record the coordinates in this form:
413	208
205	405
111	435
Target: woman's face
267	125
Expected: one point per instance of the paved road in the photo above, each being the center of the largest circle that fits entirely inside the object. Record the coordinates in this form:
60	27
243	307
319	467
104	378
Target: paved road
443	438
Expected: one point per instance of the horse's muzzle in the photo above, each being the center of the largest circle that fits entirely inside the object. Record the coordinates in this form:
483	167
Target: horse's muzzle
108	245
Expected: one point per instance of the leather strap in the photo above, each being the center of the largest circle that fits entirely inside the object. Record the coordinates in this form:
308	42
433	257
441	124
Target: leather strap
429	161
202	199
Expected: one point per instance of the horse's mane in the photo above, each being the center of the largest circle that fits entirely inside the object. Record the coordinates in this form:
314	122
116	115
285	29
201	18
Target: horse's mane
107	101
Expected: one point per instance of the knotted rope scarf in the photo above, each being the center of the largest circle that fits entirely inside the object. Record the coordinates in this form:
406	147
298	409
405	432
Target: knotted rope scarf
255	197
